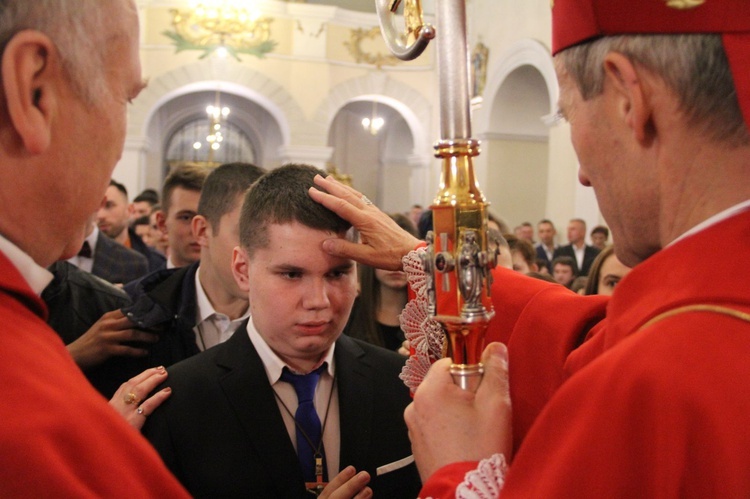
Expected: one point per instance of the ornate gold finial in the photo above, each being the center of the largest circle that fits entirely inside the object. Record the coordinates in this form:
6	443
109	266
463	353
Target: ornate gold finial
684	4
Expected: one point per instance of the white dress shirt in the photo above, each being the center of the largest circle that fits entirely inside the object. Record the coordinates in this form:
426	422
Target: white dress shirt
36	276
86	263
211	327
328	413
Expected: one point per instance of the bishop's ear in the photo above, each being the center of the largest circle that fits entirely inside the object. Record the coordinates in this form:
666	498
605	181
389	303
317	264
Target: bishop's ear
31	78
630	89
240	268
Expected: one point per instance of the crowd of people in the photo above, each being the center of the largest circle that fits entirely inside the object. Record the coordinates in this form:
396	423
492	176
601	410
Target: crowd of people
218	338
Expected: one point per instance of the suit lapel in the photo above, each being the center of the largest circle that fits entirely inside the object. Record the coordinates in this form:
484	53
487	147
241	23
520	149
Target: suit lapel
355	391
251	397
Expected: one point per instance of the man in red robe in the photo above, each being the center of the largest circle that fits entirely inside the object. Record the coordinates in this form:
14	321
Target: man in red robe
68	70
651	400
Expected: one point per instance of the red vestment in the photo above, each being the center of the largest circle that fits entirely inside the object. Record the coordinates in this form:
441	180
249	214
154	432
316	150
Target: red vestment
641	410
58	436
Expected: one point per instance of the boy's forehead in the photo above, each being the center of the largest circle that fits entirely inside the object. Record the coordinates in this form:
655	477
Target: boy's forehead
300	235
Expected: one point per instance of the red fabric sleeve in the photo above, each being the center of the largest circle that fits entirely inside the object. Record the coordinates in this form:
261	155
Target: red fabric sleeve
443	483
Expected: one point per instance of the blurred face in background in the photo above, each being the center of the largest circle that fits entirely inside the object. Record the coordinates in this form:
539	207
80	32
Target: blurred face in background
598	240
576	232
113	216
391	279
546	233
611	272
563	274
177	224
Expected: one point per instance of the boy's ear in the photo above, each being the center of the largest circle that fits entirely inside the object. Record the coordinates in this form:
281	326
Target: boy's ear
200	228
161	221
240	267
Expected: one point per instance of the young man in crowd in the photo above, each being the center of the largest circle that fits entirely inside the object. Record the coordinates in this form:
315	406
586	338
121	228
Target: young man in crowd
180	195
582	254
274	439
114	220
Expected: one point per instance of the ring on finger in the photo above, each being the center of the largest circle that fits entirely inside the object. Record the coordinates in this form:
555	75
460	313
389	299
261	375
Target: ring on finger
131	398
140	411
365	200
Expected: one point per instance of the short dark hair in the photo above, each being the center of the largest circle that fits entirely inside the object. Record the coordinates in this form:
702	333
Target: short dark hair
142	220
149	196
523	247
222	187
119	187
600	229
565	260
190	178
280	196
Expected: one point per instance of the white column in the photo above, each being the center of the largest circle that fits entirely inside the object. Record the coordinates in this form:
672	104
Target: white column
130	171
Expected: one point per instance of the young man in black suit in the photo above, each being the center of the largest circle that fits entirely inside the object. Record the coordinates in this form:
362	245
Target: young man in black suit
583	255
107	259
232	427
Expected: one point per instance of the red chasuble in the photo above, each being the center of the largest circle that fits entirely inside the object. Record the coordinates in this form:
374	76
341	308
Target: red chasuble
58	436
655	402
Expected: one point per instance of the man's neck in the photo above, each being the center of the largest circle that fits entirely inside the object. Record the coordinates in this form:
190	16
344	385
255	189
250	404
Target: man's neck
579	244
223	301
123	238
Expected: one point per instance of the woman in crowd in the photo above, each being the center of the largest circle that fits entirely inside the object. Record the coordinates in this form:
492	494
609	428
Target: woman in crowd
605	273
382	298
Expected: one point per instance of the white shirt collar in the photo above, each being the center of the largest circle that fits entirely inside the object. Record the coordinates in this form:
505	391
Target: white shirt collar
272	362
205	309
92	239
36	276
723	215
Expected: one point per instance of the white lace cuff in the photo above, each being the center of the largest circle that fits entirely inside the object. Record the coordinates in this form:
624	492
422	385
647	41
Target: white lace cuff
486	481
425	335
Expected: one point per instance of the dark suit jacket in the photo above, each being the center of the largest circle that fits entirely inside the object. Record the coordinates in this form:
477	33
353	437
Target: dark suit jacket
77	299
541	254
115	263
589	254
222	435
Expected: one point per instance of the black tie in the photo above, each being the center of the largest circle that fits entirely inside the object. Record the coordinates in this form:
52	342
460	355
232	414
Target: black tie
85	250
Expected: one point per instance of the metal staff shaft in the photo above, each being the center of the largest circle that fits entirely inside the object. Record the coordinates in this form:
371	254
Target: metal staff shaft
457	259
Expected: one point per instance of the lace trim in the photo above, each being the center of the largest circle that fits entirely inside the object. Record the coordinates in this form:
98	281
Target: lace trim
486	481
425	335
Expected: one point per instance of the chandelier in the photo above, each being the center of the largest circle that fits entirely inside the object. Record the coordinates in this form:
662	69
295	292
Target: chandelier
227	27
216	114
374	123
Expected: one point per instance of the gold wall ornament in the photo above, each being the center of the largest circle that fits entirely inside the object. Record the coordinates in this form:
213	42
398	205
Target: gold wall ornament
221	26
684	4
354	45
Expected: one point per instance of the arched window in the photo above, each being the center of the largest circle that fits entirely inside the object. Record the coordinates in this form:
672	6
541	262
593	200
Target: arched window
189	144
